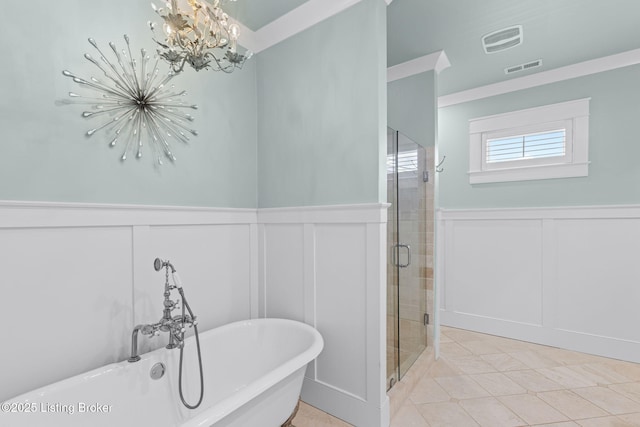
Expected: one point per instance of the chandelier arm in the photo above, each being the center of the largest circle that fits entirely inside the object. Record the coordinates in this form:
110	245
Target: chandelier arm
228	68
179	70
217	61
195	33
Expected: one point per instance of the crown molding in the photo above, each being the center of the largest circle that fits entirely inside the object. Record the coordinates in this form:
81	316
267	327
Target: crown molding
436	61
580	69
299	19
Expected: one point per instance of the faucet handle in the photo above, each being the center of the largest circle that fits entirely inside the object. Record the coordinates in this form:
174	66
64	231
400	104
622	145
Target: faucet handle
171	305
151	330
191	321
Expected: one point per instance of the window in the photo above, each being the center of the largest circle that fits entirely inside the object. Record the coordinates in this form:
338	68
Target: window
407	162
523	147
537	143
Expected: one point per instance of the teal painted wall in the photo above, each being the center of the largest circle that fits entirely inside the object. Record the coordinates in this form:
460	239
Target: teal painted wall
412	107
614	150
322	112
45	155
315	117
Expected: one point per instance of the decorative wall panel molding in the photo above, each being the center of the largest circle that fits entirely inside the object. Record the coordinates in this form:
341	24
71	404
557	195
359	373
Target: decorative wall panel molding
89	268
564	277
326	266
323	265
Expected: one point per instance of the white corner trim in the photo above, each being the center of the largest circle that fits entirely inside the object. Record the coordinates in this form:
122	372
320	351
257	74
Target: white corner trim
581	69
437	61
296	21
388	2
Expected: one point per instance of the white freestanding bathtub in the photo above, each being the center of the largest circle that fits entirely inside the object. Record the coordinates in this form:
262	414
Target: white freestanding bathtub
253	373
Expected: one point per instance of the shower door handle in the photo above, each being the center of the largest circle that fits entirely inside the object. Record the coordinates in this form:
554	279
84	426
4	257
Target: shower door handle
396	255
408	248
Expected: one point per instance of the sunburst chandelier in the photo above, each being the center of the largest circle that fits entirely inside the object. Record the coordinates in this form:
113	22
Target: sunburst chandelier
203	37
133	101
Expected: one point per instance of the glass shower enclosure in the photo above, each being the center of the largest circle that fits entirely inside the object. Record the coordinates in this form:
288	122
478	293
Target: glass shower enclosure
408	270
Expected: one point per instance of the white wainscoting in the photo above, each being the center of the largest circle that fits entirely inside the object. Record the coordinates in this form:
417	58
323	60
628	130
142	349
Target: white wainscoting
77	278
565	277
326	266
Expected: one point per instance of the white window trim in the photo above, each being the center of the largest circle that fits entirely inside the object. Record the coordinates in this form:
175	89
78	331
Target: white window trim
575	115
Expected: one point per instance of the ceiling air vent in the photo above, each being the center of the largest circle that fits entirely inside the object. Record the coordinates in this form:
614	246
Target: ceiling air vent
523	67
502	39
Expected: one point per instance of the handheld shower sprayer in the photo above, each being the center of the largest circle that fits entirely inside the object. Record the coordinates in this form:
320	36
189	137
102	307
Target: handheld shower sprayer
159	264
174	325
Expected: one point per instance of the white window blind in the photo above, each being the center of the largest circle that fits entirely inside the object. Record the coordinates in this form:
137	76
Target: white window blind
531	146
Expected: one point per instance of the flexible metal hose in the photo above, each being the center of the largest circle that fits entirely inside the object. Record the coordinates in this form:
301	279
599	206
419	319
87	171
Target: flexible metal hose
184	402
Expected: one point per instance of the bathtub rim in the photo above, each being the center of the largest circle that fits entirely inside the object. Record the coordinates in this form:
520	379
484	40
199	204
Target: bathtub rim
228	405
223	407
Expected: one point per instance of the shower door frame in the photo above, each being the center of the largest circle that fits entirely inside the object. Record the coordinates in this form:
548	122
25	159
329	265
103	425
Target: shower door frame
410	327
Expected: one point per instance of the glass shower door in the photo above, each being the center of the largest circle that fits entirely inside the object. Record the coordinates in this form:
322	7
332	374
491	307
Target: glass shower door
411	258
407	233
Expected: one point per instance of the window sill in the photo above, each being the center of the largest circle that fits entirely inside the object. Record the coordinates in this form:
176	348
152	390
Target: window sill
529	173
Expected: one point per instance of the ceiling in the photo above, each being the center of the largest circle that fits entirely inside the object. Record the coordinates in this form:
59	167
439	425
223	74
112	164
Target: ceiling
559	32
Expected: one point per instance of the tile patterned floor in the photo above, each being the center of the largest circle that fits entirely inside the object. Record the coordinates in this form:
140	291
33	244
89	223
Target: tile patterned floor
308	416
488	381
